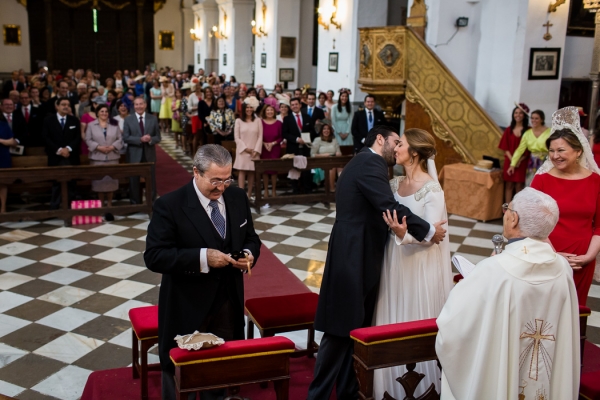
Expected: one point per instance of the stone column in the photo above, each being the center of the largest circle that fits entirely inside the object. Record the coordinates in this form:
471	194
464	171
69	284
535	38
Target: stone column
187	23
595	70
235	51
206	50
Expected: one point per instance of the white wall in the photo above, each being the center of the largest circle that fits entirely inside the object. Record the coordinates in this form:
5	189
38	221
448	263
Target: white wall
169	19
14	57
543	94
188	21
577	62
283	19
238	45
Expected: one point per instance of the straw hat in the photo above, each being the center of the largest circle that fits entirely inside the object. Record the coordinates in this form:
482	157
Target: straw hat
163	79
252	102
186	86
283	99
139	77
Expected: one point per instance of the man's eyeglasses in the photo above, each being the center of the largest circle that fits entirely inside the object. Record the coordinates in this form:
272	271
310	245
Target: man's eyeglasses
505	208
219	182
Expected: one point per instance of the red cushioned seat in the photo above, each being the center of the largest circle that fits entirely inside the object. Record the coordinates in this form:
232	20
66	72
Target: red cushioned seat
585	311
280	311
590	385
457	278
233	349
144	321
391	332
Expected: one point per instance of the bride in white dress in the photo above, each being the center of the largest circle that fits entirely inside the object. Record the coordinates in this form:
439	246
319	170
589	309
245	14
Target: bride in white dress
416	277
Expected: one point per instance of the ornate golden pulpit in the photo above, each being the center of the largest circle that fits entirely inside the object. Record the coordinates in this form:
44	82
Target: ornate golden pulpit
396	64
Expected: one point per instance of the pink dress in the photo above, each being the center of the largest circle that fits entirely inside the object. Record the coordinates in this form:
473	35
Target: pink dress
248	135
86	119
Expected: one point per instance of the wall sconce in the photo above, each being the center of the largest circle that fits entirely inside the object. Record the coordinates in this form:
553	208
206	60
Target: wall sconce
332	13
259	31
221	34
195	32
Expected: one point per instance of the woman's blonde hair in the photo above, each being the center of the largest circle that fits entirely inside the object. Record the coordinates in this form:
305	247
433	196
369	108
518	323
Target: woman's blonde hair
420	142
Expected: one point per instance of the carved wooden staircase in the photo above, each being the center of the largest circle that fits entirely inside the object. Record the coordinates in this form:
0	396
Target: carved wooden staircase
396	64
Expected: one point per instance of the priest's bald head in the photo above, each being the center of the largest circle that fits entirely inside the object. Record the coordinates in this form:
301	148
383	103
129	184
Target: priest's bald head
531	214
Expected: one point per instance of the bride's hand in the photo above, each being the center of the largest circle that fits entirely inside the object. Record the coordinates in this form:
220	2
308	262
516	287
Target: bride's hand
392	222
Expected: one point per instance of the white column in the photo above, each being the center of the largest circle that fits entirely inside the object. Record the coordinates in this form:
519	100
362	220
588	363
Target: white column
282	20
206	50
187	23
235	52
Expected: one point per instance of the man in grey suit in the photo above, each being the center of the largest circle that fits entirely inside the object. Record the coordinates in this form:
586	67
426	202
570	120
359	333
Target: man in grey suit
141	133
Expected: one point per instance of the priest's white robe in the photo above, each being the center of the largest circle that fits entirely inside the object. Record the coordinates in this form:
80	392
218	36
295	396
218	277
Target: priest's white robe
510	330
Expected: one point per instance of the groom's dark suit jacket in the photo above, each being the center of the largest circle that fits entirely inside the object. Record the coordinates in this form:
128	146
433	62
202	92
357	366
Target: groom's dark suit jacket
179	228
357	243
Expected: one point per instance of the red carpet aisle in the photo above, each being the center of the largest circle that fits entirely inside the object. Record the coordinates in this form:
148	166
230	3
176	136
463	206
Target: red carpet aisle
170	175
117	384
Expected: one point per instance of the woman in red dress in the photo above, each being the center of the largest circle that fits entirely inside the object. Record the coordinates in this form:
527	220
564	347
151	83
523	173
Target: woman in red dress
509	143
571	177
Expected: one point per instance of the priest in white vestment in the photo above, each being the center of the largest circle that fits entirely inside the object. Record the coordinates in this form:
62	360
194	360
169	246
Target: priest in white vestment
510	330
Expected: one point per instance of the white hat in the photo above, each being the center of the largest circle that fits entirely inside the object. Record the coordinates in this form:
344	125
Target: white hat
186	86
137	78
283	99
252	102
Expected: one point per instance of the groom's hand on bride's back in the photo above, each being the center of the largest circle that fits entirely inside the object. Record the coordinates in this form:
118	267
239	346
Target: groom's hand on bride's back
440	232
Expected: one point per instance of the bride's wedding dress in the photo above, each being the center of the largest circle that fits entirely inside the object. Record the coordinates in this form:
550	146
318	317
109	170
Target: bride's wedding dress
416	279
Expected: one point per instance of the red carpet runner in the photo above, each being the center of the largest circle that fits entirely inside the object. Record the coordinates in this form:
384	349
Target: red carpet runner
170	175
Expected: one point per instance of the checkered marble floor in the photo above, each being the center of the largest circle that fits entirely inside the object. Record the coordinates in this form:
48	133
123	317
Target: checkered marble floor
65	291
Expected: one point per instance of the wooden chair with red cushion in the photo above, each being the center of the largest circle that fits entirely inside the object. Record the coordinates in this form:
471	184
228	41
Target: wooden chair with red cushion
385	346
279	314
144	335
235	363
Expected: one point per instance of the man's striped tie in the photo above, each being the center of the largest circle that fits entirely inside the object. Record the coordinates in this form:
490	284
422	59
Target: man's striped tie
217	218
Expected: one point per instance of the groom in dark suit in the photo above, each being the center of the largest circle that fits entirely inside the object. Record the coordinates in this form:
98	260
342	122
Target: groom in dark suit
141	133
353	266
192	232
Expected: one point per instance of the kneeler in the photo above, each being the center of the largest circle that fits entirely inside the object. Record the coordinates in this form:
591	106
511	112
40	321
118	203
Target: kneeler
384	346
144	335
235	363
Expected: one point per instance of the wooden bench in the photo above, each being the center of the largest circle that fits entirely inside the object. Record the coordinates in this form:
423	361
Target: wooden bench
283	166
32	176
235	363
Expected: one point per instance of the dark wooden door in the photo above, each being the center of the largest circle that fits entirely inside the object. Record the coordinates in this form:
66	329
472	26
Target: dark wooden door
77	42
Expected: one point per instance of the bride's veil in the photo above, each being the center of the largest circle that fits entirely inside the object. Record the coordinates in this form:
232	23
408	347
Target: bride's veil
444	244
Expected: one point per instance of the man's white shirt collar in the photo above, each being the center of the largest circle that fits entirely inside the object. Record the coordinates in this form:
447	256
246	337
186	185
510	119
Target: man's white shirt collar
59	118
205	201
137	116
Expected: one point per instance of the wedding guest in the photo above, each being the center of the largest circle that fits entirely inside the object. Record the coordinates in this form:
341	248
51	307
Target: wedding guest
204	110
155	98
35	96
326	146
176	127
167	96
330	102
6	141
534	140
571	177
249	142
229	97
104	142
364	120
284	106
89	117
221	121
272	137
194	101
184	116
242	96
511	138
321	99
341	119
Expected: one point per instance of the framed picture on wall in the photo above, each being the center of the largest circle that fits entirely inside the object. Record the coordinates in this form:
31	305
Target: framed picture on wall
286	74
12	35
333	62
224	59
544	63
288	47
263	60
166	40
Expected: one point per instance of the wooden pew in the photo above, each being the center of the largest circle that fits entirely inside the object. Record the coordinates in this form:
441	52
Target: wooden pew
283	166
407	343
36	175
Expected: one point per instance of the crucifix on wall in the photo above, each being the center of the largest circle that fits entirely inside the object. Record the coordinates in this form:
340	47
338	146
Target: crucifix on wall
547	35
